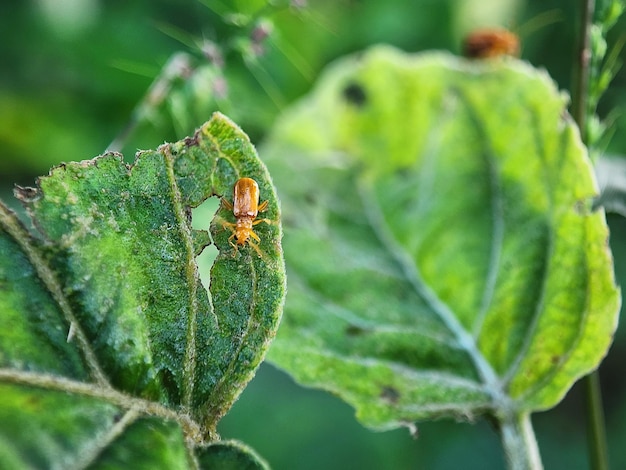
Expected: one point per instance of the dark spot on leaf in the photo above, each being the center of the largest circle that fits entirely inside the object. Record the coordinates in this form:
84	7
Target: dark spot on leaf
584	206
310	199
355	94
354	330
390	394
26	194
34	401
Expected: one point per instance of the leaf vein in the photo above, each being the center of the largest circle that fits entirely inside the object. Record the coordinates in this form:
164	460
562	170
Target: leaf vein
464	338
548	253
90	455
16	230
191	274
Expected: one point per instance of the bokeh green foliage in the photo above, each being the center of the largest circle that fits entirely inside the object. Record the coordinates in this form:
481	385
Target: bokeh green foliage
76	87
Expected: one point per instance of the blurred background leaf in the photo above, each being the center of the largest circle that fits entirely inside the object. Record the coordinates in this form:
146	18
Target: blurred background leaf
74	71
441	244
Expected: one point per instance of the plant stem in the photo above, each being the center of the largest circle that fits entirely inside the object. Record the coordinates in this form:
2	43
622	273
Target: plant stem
598	451
580	89
520	445
596	434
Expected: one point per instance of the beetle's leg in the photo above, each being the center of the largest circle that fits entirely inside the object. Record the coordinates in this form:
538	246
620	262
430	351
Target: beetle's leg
267	221
255	246
263	206
224	224
255	236
227	204
229	225
234	245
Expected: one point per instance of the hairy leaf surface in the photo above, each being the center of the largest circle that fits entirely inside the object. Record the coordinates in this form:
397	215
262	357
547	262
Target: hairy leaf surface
112	352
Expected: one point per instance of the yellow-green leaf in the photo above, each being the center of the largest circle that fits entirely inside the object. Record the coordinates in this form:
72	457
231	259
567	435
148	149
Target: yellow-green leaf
444	258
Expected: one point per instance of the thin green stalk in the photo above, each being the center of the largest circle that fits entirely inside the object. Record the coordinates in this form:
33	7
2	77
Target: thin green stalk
596	434
519	443
580	89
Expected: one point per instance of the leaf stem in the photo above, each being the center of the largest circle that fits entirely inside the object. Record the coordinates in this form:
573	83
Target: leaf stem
520	445
596	434
580	89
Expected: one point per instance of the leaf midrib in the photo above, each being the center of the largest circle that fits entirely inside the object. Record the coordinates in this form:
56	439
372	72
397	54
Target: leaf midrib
464	339
191	275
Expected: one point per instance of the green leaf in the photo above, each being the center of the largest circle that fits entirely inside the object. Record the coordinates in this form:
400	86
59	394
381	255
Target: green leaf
111	349
444	259
230	455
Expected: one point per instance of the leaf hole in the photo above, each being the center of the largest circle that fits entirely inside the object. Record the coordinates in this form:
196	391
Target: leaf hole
201	217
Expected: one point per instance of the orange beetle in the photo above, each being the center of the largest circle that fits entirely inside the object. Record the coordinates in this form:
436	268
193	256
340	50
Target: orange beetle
245	208
484	43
